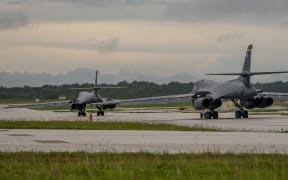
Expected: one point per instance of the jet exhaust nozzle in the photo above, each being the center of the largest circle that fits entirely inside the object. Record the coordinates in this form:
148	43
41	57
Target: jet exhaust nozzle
266	102
201	103
206	103
216	103
258	102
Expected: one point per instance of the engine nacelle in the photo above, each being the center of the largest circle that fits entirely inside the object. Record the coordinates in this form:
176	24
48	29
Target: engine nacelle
258	102
266	101
201	103
206	103
250	104
75	106
215	103
110	106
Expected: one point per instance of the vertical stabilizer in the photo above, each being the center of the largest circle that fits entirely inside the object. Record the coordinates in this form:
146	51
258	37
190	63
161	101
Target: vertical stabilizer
246	70
247	63
96	78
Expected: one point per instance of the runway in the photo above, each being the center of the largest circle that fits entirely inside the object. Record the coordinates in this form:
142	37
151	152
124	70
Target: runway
259	123
142	141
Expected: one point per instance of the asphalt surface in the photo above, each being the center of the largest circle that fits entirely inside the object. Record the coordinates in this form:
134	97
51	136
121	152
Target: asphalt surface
267	123
142	141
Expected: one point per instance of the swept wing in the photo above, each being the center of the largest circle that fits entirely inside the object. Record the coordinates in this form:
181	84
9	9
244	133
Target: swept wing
158	100
39	105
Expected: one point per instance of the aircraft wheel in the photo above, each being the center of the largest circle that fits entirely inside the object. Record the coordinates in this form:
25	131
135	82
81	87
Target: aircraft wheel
201	115
238	114
208	115
245	114
215	114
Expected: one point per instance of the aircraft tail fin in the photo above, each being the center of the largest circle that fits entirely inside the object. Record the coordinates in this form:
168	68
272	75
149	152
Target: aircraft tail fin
96	78
247	62
246	69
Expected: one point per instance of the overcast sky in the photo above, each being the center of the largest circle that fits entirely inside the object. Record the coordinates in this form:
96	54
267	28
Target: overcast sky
147	37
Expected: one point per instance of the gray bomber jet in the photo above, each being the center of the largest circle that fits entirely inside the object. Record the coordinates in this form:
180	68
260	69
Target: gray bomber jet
208	94
81	101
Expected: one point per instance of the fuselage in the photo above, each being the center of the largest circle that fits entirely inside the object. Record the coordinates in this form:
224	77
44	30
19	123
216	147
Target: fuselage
88	97
235	88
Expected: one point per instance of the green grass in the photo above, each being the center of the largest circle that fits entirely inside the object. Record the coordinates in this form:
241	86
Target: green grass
96	126
80	165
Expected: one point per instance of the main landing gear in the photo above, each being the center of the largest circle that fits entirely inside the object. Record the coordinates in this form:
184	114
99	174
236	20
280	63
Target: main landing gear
209	115
100	111
81	113
241	113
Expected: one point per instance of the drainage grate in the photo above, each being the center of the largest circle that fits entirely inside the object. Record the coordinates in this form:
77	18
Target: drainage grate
20	135
50	141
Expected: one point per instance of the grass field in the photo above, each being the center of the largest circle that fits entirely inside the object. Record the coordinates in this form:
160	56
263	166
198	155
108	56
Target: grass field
33	165
96	126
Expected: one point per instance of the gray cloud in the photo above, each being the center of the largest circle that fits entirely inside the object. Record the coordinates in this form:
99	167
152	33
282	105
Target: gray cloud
229	36
13	20
245	11
207	10
101	46
108	46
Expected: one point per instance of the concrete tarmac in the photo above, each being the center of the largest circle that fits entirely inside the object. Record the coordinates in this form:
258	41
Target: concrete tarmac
261	123
142	141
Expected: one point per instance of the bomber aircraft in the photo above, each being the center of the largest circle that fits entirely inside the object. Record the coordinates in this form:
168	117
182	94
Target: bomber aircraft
81	101
208	95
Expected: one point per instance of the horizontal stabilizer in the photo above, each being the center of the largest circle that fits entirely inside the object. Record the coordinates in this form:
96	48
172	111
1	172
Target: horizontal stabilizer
248	73
226	74
262	73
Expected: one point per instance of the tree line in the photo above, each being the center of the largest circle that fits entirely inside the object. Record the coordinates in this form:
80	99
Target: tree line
134	89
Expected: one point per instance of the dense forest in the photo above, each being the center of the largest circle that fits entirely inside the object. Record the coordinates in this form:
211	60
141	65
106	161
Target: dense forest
134	89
